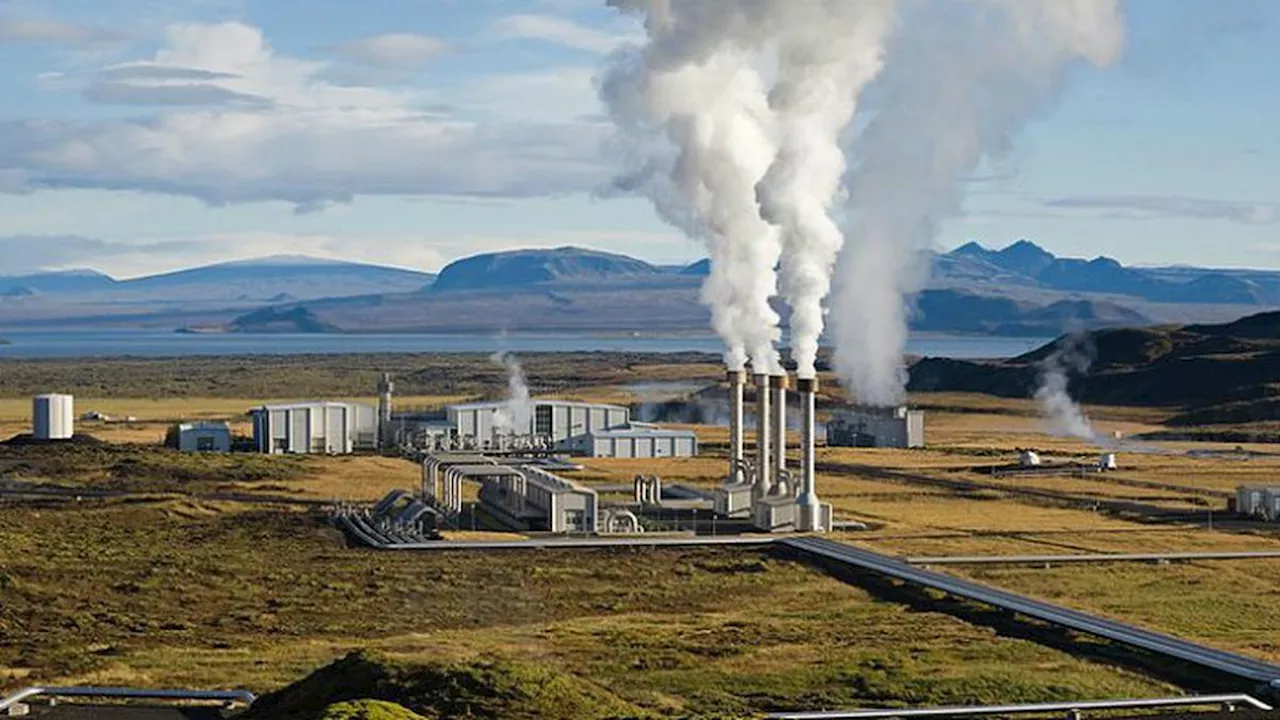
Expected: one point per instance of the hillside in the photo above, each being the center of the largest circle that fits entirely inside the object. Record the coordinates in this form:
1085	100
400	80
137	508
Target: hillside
264	280
520	268
63	281
1205	374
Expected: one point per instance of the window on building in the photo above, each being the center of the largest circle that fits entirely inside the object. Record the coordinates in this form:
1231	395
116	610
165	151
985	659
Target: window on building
205	443
542	420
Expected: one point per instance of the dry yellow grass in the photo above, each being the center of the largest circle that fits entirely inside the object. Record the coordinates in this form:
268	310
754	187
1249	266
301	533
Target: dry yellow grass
355	478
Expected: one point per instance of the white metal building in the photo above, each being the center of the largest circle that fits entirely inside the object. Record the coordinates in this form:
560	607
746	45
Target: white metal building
53	417
200	437
634	440
896	427
1259	501
555	419
315	427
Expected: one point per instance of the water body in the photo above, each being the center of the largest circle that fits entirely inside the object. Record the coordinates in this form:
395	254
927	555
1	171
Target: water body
145	343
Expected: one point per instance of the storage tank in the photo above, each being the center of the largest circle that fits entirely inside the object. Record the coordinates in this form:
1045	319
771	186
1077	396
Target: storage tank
53	417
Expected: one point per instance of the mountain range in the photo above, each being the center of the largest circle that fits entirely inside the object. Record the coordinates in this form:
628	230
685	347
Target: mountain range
1021	289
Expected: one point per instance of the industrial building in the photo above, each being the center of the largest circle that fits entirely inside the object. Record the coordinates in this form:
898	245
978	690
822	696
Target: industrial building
519	494
1258	501
314	427
556	420
634	440
872	427
200	437
53	417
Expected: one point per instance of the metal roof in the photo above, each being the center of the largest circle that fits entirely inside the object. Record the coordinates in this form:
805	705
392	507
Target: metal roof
499	404
309	404
203	425
631	431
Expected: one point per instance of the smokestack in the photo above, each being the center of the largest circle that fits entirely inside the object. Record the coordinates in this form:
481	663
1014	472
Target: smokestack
810	510
778	388
385	388
761	482
736	379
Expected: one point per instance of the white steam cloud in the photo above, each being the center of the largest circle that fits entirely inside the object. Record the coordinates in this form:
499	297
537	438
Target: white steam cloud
1070	356
692	104
960	80
741	117
827	54
516	415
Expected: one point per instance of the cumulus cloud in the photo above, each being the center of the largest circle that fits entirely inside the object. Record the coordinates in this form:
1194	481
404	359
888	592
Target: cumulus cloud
559	31
281	130
1171	206
394	50
15	31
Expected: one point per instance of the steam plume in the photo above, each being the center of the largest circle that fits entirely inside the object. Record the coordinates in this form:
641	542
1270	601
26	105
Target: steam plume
692	105
828	53
960	80
516	416
1070	355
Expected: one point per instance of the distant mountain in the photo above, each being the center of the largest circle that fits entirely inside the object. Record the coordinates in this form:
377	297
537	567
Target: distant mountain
61	281
284	276
701	268
273	320
956	311
519	268
1028	265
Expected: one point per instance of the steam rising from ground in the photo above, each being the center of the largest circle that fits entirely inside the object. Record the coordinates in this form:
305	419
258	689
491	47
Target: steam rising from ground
1071	355
733	113
516	416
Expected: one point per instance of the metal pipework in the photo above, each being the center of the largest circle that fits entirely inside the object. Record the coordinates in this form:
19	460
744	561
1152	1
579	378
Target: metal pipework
778	389
736	380
761	483
810	509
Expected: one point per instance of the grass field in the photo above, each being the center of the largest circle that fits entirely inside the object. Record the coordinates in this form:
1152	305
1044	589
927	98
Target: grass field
182	589
181	593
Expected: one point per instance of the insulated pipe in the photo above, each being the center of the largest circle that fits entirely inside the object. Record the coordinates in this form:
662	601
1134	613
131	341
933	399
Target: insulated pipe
736	379
810	508
761	484
778	388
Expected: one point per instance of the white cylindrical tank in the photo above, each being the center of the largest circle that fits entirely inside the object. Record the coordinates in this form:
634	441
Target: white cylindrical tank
53	417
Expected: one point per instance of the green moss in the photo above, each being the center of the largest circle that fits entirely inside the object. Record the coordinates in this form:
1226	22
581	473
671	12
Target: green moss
368	710
487	689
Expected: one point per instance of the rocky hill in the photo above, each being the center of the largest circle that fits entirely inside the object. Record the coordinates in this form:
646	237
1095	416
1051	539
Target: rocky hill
520	268
1205	374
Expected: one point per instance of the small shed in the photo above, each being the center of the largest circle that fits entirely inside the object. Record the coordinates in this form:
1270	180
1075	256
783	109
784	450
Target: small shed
200	437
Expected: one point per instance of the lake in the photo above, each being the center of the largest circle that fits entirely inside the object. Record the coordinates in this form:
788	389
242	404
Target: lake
144	343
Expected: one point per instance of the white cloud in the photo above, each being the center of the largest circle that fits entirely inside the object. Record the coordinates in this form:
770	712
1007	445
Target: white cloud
1170	206
15	30
282	131
557	94
393	50
559	31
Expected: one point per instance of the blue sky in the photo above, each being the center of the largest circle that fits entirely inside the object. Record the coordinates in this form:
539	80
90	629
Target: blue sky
143	135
